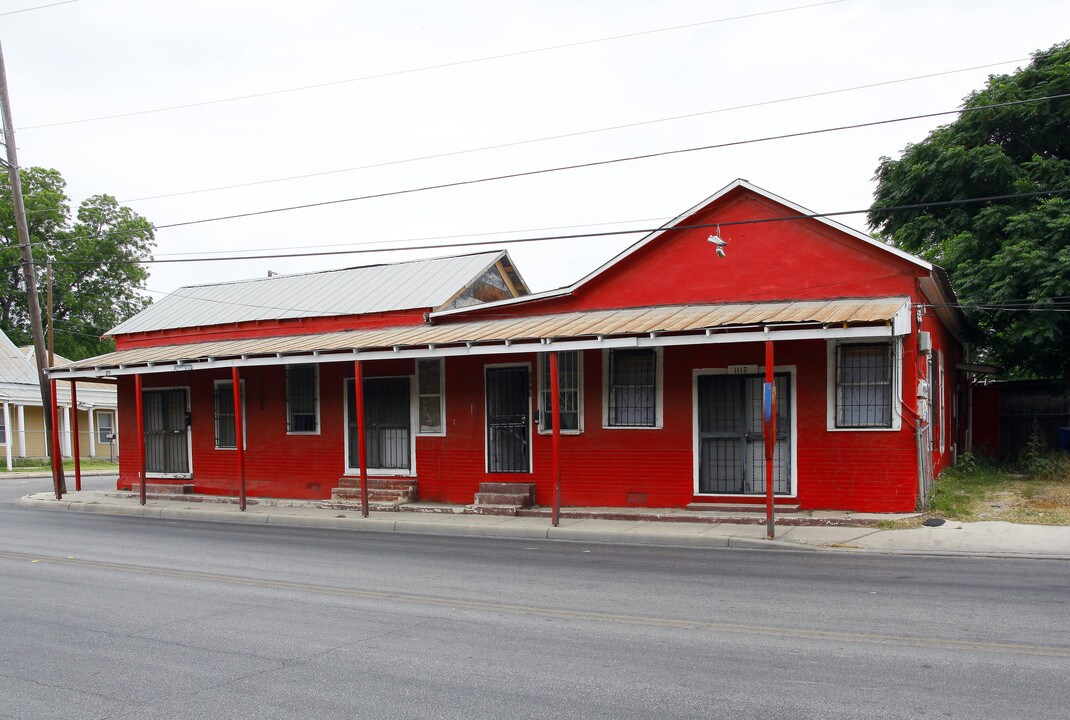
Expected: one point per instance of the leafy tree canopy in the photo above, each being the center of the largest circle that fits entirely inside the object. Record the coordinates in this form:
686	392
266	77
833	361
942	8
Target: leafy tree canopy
97	276
1012	252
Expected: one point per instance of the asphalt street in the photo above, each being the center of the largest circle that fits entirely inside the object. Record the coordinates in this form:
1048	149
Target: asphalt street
126	617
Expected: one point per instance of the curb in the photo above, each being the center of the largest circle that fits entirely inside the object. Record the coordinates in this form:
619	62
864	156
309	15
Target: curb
423	527
420	526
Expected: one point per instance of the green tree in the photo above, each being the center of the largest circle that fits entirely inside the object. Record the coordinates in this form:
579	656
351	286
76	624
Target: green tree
97	276
1009	253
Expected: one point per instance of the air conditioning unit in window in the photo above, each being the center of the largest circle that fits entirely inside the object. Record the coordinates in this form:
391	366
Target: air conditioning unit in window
925	343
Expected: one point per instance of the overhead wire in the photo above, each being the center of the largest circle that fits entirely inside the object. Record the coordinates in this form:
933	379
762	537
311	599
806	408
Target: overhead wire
588	235
410	71
37	7
602	163
561	136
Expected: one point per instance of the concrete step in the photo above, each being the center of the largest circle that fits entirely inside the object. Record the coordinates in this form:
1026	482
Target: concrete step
515	494
354	505
374	495
380	483
503	510
489	498
162	488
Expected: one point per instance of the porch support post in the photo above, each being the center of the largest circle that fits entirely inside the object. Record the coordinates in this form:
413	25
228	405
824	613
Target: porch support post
20	413
92	432
239	435
7	434
139	410
358	391
769	429
74	438
555	424
57	456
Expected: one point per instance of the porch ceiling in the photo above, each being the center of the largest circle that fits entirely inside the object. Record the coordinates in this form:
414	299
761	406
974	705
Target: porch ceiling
643	326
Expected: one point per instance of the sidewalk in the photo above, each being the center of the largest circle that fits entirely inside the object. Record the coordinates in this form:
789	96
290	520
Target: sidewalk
831	532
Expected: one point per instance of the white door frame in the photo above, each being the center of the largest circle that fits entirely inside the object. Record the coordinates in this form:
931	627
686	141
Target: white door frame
793	441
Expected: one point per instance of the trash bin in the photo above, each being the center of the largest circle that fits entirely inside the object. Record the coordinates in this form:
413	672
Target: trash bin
1064	438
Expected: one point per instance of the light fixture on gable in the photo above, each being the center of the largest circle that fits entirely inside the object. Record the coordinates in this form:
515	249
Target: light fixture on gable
717	242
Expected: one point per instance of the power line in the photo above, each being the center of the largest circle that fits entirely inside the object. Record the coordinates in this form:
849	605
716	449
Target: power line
418	239
425	68
577	133
595	163
589	235
38	7
599	163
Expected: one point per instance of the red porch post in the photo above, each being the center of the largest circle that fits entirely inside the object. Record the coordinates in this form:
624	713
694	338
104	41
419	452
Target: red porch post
57	455
358	391
74	437
555	424
239	435
140	411
769	429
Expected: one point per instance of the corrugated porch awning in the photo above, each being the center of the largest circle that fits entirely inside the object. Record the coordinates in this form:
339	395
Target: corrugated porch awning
663	325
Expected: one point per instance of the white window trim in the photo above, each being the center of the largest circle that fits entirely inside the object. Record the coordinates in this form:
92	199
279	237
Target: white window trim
189	436
111	425
441	394
544	360
413	407
531	417
659	392
794	421
244	432
897	383
319	396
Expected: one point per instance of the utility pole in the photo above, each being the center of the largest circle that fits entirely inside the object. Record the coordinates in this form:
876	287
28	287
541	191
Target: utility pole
29	277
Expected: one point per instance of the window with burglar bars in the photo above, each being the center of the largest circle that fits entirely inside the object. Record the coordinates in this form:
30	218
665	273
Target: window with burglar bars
569	368
864	385
302	399
226	437
632	388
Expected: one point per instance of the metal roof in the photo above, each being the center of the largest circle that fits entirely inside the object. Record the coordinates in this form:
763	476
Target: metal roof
14	367
19	382
677	323
353	291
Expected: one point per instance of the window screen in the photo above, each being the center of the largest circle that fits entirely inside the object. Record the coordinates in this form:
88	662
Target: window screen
225	435
568	378
302	399
429	386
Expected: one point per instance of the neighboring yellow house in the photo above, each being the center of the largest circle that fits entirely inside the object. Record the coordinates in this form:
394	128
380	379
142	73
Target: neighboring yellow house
22	427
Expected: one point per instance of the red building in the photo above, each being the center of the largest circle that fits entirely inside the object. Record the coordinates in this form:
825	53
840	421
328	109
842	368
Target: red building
660	359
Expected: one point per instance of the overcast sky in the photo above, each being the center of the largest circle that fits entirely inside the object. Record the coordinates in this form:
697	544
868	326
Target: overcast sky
377	104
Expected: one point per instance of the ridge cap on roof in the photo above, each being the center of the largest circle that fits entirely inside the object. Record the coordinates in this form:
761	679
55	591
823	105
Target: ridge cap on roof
282	276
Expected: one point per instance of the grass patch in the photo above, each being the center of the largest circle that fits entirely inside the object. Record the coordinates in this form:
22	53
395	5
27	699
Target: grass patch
36	465
1035	490
904	524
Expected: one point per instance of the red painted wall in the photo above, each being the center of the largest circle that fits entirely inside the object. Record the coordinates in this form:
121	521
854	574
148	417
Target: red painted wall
855	470
764	261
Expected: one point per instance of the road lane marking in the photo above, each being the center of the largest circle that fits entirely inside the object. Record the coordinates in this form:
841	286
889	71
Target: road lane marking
1058	651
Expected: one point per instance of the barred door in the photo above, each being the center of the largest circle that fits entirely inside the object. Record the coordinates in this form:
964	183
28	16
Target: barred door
508	419
387	424
731	449
166	442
